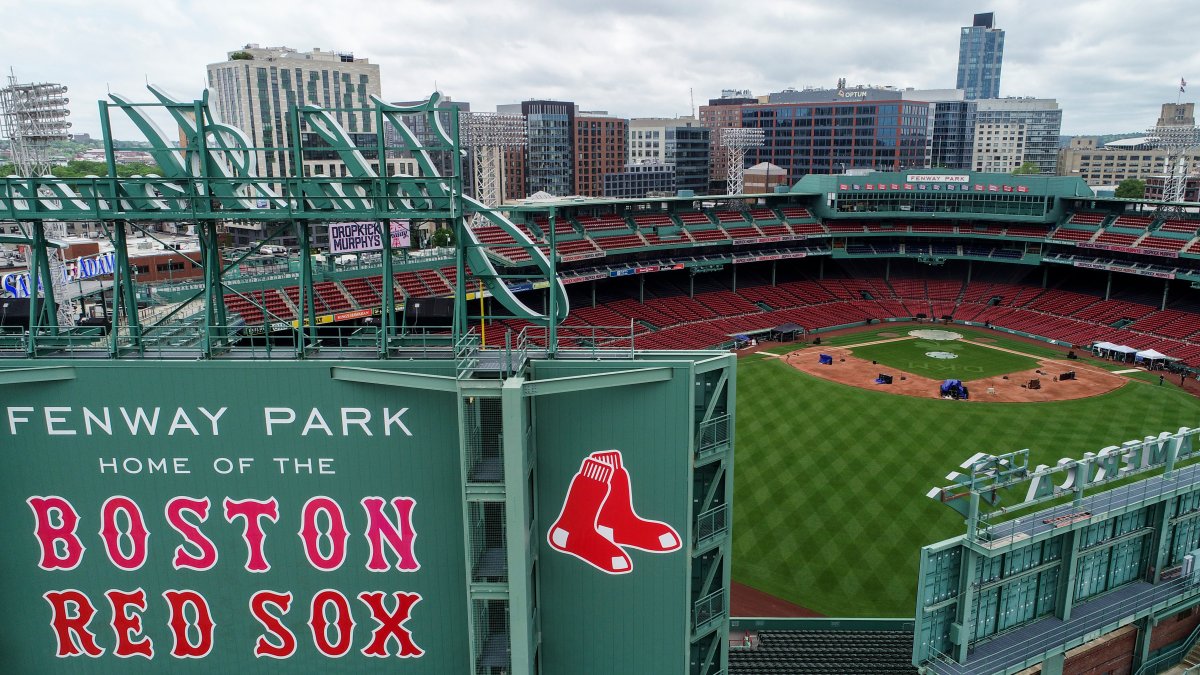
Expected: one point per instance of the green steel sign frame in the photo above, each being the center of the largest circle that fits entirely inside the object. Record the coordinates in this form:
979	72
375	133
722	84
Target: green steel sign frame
210	178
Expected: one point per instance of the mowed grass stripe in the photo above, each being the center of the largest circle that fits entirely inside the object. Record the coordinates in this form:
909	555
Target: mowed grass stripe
972	361
829	505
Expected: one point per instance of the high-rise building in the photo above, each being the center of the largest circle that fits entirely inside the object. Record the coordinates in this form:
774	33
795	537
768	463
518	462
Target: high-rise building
638	181
255	87
953	131
828	131
1012	131
549	157
980	55
722	113
600	142
680	142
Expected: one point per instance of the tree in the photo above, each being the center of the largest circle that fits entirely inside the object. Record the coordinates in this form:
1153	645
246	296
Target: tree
1026	169
1131	188
241	56
442	237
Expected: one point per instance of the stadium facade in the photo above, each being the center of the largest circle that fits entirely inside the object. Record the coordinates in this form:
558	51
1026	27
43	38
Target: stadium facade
525	482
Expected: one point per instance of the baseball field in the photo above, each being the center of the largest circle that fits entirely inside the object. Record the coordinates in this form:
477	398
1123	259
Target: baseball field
830	478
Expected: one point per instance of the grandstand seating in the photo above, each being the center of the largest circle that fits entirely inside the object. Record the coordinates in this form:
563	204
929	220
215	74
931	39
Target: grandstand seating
608	222
1085	218
824	652
796	213
745	232
1029	231
1137	222
329	296
944	228
653	220
569	248
1072	234
762	216
1116	238
1162	243
611	243
501	242
730	217
693	218
362	291
775	230
808	228
1182	226
703	236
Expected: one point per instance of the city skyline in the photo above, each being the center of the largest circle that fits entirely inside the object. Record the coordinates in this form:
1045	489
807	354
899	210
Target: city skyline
1110	71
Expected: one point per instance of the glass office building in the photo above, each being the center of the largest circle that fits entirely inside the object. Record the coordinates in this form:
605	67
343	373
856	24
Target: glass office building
980	55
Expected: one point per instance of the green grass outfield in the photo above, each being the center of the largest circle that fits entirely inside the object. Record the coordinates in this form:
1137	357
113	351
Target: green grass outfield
973	361
829	499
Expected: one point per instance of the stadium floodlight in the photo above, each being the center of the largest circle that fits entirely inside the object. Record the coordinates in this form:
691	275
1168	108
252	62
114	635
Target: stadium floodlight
488	135
1178	141
737	140
32	117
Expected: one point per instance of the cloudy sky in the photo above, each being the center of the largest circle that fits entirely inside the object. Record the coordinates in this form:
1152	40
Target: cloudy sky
1110	64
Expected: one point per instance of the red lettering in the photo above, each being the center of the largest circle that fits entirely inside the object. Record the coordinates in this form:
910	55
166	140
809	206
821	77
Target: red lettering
127	625
311	534
70	625
191	533
274	626
110	532
183	647
253	511
391	624
48	534
343	621
399	536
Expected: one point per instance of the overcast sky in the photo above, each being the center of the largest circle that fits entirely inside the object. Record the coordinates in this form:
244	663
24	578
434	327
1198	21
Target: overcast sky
1110	64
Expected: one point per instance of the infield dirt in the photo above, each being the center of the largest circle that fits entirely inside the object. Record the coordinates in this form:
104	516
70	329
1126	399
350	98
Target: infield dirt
856	372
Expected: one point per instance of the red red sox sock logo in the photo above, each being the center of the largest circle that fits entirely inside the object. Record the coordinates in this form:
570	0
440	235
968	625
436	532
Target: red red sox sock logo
597	522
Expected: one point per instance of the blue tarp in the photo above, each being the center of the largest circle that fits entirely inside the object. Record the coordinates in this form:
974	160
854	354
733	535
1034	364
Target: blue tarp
954	389
825	359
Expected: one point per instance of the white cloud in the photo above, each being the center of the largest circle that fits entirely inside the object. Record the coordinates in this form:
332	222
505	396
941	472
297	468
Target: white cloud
1110	65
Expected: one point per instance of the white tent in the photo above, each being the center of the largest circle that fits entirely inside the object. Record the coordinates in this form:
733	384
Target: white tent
1110	350
1154	355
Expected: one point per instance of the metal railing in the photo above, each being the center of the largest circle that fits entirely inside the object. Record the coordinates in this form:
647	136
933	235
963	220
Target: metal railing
713	436
1025	653
708	609
1171	657
711	524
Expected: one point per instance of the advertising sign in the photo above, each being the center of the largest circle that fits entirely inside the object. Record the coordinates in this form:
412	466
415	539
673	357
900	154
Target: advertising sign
937	178
263	517
359	237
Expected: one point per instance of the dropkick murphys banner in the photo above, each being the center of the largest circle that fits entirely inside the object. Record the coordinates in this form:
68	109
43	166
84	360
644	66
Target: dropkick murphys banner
359	237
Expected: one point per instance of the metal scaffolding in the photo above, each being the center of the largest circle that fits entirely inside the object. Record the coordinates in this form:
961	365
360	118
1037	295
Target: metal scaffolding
489	135
32	116
737	141
1179	141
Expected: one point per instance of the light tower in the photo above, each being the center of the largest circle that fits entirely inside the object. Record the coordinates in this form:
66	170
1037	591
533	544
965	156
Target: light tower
488	135
32	116
737	141
1179	141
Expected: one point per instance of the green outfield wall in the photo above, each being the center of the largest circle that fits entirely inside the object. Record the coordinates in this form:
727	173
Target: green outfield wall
323	516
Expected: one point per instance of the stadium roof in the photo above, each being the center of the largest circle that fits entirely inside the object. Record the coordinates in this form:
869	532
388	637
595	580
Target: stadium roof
1057	186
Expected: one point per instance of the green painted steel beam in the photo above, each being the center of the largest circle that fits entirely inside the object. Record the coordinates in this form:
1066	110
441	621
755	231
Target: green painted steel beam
620	378
392	378
28	375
